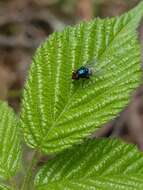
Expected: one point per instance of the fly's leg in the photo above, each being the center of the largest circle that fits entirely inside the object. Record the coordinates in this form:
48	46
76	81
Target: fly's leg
82	83
90	81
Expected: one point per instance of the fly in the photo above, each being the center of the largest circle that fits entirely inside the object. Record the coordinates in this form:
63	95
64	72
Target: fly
82	73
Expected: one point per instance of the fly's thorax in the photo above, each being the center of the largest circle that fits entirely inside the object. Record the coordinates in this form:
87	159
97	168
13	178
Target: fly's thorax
83	71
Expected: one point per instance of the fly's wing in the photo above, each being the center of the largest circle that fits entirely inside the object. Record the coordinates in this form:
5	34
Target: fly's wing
96	69
91	65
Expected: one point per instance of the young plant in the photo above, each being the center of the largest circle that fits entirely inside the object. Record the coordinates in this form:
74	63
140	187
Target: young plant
58	114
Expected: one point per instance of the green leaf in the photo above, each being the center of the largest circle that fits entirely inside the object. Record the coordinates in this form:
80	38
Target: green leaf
9	142
58	112
3	187
96	164
138	13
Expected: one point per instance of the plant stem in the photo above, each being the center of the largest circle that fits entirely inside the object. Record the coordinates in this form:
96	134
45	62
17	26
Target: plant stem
13	184
14	93
29	173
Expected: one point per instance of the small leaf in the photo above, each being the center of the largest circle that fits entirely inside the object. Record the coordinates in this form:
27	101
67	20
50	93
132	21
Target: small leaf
96	164
9	142
3	187
58	112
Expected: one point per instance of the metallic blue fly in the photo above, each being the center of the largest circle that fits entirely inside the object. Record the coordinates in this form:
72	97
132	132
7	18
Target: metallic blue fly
84	72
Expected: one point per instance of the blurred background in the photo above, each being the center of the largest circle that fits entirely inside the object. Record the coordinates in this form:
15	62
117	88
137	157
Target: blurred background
25	24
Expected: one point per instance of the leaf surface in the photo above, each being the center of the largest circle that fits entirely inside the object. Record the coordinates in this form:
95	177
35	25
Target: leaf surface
10	149
58	112
94	165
